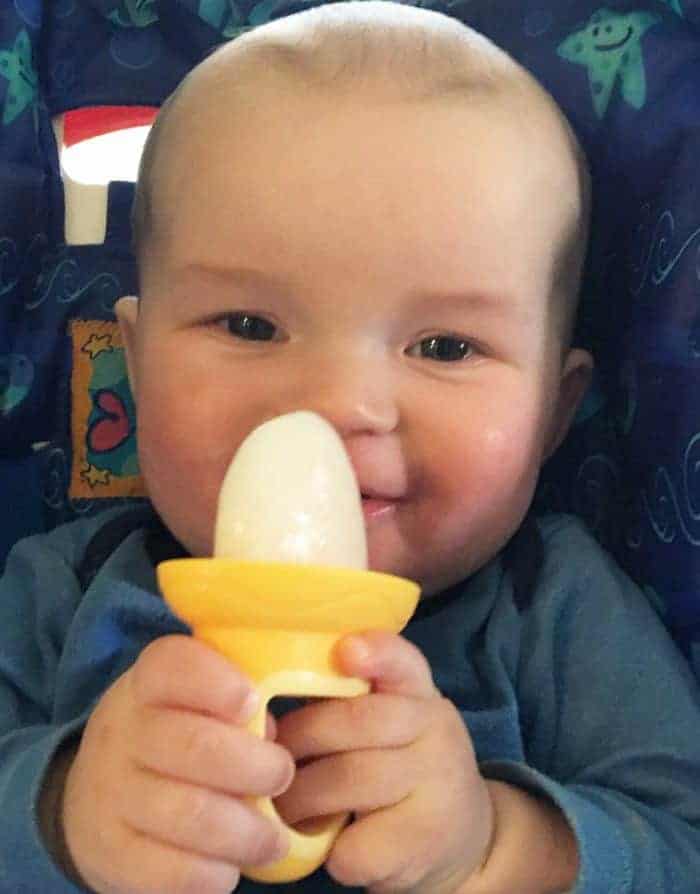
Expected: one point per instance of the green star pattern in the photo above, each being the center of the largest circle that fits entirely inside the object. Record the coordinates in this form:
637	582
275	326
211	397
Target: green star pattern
17	67
609	45
135	14
675	6
224	15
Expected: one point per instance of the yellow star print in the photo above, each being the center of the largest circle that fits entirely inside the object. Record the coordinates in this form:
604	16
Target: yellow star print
94	476
97	344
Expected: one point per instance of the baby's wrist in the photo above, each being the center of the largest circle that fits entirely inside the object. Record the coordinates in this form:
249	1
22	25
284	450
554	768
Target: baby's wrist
532	849
51	811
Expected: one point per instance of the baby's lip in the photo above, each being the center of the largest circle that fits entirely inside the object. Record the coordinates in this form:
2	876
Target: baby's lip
381	481
375	508
379	467
369	493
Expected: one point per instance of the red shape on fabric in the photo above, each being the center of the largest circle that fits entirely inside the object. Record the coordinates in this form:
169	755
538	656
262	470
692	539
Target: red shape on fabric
81	124
113	428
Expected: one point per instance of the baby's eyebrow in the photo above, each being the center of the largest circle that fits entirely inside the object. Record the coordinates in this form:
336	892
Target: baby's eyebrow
471	299
243	276
491	302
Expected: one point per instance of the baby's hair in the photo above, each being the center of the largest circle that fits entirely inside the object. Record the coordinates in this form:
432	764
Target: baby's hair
413	55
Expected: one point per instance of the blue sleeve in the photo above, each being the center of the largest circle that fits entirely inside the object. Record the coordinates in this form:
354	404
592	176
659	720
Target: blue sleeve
38	596
610	713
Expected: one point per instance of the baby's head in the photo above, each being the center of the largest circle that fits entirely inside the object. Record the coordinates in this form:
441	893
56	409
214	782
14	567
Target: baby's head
369	211
359	53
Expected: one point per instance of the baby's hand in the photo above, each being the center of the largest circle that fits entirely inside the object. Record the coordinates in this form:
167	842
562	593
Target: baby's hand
402	761
153	799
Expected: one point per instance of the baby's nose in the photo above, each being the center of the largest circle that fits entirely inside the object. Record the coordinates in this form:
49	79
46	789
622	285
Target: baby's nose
354	394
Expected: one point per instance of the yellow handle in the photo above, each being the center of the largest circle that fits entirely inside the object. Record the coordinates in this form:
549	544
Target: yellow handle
311	841
287	663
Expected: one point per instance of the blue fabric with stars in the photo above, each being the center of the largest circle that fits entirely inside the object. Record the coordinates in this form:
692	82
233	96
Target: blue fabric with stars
626	73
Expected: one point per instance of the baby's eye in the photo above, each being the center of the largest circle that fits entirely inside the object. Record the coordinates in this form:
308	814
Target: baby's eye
443	348
250	327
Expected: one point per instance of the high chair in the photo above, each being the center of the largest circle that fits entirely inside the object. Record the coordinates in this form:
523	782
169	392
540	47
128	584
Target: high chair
625	73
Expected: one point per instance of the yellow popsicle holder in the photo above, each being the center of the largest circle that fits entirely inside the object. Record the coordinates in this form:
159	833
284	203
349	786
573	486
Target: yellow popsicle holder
279	624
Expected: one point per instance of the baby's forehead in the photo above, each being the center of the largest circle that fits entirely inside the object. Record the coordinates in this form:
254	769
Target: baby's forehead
260	132
265	79
225	99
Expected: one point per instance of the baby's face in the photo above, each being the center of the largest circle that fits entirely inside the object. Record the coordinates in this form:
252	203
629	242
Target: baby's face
387	265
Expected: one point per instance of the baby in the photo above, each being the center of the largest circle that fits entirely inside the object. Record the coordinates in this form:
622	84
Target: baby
368	211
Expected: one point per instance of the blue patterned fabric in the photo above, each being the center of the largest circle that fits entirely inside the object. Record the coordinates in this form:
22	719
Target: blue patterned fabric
626	73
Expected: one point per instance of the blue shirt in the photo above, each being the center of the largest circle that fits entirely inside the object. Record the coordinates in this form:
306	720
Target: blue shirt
578	695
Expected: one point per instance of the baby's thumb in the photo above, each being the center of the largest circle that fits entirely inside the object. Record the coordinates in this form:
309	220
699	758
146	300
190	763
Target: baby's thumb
389	662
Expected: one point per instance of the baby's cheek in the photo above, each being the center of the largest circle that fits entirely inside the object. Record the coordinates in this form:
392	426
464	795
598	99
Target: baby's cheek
498	478
512	448
180	473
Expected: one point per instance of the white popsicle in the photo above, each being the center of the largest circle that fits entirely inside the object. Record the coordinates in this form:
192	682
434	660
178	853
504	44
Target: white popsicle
290	495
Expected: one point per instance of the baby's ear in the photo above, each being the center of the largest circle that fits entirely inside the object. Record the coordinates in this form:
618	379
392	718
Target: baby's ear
127	311
575	378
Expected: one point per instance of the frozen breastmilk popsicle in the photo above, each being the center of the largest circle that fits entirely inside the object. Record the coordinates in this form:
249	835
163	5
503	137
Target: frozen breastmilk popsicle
288	579
290	495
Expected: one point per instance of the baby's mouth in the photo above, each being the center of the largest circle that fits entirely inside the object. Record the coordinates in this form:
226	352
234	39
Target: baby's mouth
375	507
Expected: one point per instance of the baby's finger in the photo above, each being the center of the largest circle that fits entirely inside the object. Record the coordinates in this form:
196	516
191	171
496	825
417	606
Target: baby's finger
200	821
390	662
205	751
270	727
180	672
344	724
355	782
143	864
373	853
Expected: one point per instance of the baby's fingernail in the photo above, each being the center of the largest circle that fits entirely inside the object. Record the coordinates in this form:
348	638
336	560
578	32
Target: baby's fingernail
357	648
249	706
285	779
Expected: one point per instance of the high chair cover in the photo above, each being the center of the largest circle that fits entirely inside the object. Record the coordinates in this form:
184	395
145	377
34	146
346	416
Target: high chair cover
627	75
